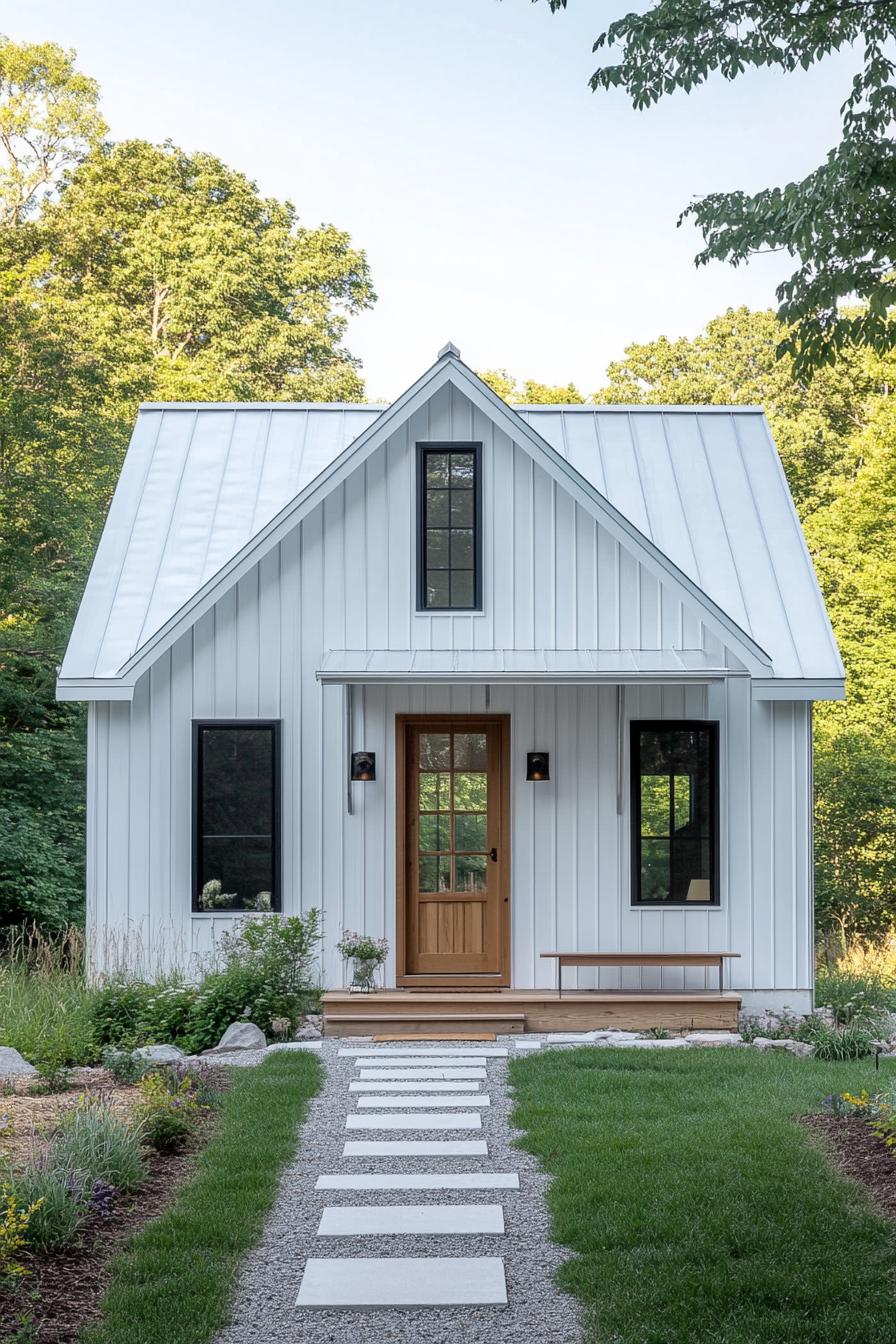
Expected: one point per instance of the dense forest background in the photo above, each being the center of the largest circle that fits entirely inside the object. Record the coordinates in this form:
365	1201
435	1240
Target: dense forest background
131	271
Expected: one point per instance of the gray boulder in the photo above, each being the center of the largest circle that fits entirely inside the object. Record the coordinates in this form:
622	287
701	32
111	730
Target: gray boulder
242	1036
802	1049
307	1033
159	1054
12	1064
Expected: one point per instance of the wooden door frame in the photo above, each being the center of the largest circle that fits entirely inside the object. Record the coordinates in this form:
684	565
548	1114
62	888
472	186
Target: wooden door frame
452	722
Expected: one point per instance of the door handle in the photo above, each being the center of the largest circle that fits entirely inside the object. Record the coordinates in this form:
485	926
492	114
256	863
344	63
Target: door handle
493	855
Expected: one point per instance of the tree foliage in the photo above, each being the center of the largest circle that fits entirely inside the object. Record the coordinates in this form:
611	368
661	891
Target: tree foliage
128	271
838	221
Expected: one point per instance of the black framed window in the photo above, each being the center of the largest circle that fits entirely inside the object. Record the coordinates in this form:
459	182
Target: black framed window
675	813
449	527
236	815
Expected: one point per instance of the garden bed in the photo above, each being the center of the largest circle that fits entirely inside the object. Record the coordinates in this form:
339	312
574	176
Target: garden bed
64	1287
859	1154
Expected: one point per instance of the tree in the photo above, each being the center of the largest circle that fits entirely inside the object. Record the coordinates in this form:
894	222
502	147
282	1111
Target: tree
48	119
531	393
127	272
839	221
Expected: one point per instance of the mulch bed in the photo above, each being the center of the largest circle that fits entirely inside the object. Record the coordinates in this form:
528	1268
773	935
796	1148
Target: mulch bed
64	1288
859	1154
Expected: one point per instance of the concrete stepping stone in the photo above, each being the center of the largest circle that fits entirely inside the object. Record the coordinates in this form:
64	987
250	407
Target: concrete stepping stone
421	1120
528	1045
402	1220
403	1085
400	1281
422	1062
438	1100
424	1180
481	1052
369	1075
415	1148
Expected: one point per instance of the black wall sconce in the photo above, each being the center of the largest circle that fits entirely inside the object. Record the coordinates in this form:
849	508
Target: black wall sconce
363	766
538	766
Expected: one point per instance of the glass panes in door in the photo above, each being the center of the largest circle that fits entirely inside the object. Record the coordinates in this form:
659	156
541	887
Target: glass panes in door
452	800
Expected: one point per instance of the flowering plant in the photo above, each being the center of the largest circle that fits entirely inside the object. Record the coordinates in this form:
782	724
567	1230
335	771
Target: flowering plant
362	947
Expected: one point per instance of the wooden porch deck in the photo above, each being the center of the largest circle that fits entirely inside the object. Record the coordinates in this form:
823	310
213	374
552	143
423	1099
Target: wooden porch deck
391	1011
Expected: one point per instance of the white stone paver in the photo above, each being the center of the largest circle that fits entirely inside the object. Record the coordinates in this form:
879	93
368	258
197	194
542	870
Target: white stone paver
411	1074
405	1052
419	1120
403	1085
422	1062
423	1101
404	1281
415	1148
422	1180
401	1220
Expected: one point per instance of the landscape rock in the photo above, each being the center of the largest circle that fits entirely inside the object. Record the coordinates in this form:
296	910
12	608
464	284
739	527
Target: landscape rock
800	1048
714	1038
159	1054
242	1036
12	1064
652	1043
307	1033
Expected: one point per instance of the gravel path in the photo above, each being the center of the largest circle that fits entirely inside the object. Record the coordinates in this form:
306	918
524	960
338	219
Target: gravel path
264	1311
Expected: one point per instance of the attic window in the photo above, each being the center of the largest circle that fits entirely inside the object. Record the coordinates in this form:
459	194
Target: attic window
675	813
236	815
449	530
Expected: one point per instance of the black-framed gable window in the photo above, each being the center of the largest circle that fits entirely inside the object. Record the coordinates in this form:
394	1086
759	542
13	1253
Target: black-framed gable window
675	813
449	527
236	815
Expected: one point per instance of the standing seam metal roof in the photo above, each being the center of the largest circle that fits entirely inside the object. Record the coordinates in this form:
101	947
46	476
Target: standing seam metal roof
704	484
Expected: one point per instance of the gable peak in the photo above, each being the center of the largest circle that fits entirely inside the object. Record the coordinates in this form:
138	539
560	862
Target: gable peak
449	349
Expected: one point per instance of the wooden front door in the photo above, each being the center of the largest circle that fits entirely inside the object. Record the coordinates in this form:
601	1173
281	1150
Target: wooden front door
453	860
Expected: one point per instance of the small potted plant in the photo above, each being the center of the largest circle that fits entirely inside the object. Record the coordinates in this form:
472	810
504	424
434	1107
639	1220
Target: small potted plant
365	954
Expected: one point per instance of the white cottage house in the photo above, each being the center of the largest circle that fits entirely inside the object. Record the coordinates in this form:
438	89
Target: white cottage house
489	682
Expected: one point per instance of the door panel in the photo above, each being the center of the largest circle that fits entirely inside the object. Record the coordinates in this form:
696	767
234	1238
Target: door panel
453	833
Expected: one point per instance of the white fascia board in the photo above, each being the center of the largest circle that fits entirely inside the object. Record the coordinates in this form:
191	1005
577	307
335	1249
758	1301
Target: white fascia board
799	688
94	688
446	370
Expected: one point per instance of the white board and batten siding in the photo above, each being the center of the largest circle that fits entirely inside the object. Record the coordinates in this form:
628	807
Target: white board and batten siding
553	578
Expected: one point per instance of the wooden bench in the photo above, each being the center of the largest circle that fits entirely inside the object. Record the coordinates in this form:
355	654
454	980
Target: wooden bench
639	959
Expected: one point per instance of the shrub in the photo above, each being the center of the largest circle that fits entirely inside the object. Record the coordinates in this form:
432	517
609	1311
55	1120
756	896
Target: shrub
59	1196
837	1043
124	1065
51	1061
167	1115
94	1139
853	997
14	1221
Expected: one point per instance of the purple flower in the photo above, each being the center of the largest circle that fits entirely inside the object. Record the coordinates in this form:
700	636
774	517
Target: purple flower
102	1198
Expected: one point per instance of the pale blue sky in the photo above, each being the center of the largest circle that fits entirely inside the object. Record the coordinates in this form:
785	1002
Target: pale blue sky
502	204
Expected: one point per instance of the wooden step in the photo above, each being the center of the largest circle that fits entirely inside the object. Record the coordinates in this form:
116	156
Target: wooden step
373	1023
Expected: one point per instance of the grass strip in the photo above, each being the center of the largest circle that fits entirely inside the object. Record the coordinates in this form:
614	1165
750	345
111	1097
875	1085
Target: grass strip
698	1210
175	1281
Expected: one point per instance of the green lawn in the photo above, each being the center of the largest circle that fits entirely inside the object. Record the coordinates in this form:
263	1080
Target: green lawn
174	1283
699	1212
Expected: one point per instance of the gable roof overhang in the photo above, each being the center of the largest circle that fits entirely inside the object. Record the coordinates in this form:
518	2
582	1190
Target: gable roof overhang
448	369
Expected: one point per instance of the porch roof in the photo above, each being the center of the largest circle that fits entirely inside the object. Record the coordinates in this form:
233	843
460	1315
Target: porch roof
520	666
